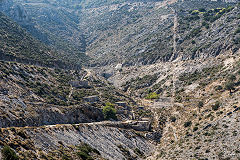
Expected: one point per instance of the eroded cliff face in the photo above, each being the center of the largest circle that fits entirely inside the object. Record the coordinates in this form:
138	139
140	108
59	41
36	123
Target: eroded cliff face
47	115
47	141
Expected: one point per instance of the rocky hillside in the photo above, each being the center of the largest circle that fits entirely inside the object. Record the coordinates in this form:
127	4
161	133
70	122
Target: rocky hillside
64	109
194	99
204	116
127	32
18	45
40	91
35	96
83	141
195	102
146	33
207	32
173	95
50	24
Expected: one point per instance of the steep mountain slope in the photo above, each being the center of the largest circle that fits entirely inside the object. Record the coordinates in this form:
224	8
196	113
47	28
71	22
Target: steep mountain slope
105	32
197	39
83	141
37	89
207	32
184	99
203	119
18	45
36	96
65	121
51	24
194	99
143	34
194	102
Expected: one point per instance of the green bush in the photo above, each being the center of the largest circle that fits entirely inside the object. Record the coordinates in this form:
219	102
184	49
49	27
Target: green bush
195	129
109	104
218	88
200	104
109	112
216	106
85	150
187	124
173	119
138	152
84	156
9	154
232	78
229	86
152	95
195	32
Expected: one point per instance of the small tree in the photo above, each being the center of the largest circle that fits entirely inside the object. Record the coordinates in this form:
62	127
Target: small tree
9	154
109	112
200	105
152	95
229	86
216	106
187	124
232	78
173	119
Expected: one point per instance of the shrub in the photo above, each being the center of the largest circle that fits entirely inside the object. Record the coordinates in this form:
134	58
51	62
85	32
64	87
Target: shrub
109	104
237	31
195	12
218	88
195	129
84	156
124	150
109	112
138	152
229	86
178	99
152	95
236	40
84	151
9	154
195	32
232	78
200	104
202	9
216	106
205	24
187	124
173	119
